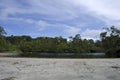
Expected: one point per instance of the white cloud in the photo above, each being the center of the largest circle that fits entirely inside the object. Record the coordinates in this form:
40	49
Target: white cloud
40	24
106	10
56	10
71	31
63	10
91	34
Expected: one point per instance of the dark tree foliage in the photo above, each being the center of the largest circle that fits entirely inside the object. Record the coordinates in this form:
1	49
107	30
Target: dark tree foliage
111	41
16	40
3	43
2	31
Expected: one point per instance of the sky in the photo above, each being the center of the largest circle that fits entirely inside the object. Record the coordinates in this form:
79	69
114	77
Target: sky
64	18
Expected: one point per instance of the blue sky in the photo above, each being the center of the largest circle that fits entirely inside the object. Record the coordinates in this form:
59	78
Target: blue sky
64	18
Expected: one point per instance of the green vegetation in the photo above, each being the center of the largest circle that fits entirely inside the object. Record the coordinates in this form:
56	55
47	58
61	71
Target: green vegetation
28	46
4	45
111	41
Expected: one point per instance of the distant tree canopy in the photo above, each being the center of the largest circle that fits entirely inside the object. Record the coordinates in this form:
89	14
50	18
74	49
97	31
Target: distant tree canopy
27	44
111	41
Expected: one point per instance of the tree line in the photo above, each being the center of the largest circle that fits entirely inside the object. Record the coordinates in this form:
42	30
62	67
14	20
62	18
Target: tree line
109	43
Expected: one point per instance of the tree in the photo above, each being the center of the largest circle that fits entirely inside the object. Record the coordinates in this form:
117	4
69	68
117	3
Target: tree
62	48
2	31
103	35
26	47
111	41
76	43
3	43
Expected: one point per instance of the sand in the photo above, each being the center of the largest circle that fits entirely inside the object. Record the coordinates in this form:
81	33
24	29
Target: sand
8	54
59	69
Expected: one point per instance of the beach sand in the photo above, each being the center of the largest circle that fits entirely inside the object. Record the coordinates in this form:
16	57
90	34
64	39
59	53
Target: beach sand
59	69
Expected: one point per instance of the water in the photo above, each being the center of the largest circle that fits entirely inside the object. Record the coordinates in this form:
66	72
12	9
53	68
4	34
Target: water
67	55
94	54
70	54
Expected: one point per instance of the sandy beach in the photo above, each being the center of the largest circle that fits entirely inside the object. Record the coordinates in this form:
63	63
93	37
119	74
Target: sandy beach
59	69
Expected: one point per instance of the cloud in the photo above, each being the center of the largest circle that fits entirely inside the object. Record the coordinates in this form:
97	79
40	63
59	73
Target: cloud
63	9
91	34
106	10
56	10
41	25
69	15
71	31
